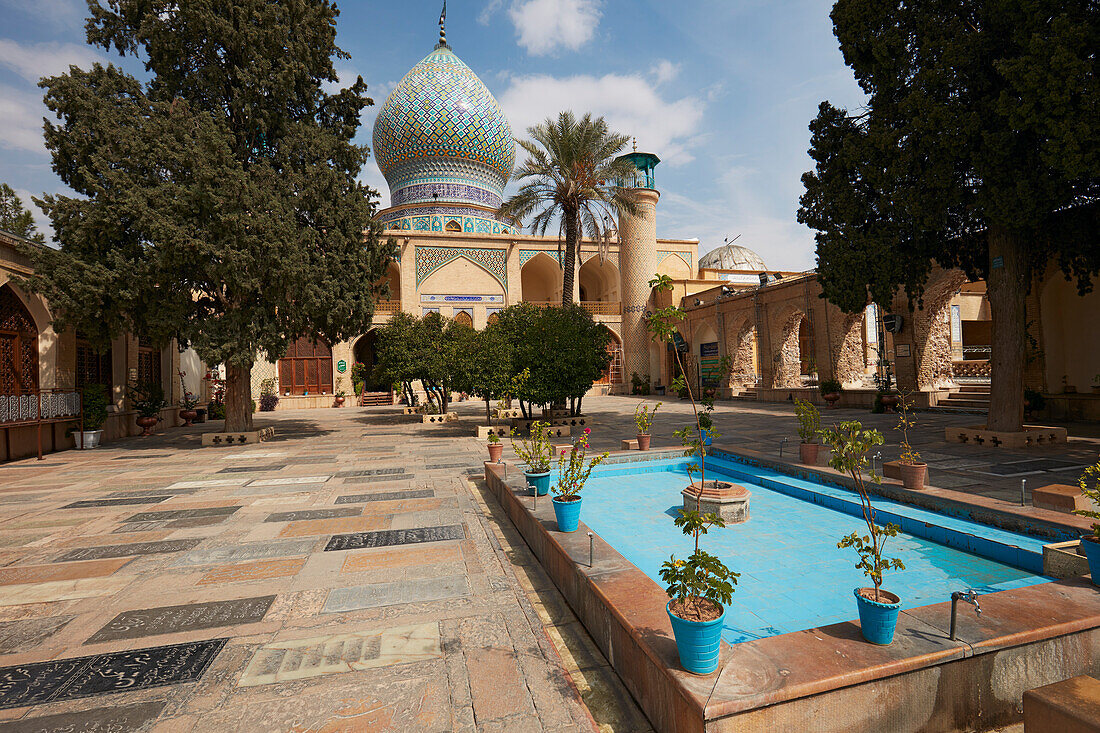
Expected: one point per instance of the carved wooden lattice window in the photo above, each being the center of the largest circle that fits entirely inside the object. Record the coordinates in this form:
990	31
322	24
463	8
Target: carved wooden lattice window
148	366
91	367
464	318
18	346
306	368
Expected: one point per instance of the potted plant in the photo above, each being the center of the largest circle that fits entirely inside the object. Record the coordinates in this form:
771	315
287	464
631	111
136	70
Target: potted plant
269	394
188	403
913	470
1090	543
878	609
341	393
643	418
830	391
536	452
148	400
93	398
496	448
809	427
572	474
700	587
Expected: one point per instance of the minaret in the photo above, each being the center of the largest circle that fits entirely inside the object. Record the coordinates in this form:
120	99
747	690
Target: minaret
638	262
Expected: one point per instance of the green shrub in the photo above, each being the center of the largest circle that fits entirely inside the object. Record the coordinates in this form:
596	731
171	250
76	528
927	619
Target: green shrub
94	399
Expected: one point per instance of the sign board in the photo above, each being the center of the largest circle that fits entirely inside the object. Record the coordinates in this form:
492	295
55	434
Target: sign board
439	298
341	366
708	364
998	263
903	350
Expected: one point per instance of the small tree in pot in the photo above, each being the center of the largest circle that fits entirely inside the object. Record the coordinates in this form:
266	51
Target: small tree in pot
914	471
643	418
572	475
496	448
830	391
700	587
536	452
809	427
1090	543
148	400
878	609
93	399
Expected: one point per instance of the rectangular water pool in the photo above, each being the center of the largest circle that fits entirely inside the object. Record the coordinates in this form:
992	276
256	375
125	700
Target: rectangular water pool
793	576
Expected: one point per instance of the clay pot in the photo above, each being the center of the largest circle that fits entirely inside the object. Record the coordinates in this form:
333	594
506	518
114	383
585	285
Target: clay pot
146	424
339	400
890	401
643	441
913	475
495	451
188	416
832	398
807	453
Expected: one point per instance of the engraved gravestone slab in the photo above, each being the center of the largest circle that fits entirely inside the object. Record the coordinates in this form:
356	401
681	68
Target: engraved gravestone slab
376	595
25	634
217	511
88	503
250	551
393	477
190	617
142	457
97	720
387	537
385	496
250	469
148	492
438	466
101	674
134	548
370	472
303	514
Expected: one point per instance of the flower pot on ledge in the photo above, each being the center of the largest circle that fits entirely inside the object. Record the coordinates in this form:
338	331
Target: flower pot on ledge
147	424
807	453
188	416
567	513
913	475
832	398
877	619
496	450
698	642
643	441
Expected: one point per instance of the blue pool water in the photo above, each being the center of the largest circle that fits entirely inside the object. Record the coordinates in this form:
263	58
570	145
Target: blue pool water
793	576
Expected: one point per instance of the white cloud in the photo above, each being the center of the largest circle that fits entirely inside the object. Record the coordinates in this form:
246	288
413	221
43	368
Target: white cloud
22	116
665	71
631	105
33	61
64	13
543	25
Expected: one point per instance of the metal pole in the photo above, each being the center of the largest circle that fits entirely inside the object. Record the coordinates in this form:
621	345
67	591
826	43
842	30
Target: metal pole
782	444
591	548
1023	491
38	421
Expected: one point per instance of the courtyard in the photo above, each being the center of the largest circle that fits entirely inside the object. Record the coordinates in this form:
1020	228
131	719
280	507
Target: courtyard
353	573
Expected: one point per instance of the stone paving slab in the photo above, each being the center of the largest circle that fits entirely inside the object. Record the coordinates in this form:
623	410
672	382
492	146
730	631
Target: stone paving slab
187	617
384	538
97	720
133	549
385	496
391	594
304	514
253	551
89	503
25	634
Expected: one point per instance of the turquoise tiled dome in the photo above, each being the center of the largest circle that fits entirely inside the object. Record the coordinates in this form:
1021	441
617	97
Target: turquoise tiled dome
442	138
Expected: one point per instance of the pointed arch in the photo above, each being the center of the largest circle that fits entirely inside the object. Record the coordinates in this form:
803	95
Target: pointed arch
541	279
19	363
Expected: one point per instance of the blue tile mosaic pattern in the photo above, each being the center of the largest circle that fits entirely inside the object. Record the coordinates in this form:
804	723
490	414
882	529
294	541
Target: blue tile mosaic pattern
793	576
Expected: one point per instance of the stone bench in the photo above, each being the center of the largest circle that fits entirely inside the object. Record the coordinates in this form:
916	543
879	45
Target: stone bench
1060	498
628	444
1069	706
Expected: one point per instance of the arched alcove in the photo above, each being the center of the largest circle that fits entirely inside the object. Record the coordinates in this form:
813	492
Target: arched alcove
675	267
599	282
789	364
541	278
19	368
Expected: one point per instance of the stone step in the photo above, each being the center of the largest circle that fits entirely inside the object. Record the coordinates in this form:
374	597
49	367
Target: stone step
974	388
368	399
964	402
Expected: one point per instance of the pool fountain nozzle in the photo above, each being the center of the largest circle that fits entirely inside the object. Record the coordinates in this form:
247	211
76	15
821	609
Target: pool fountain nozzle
1023	491
591	548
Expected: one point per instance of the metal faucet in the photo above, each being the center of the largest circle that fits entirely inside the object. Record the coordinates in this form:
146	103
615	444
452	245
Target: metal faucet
969	596
782	444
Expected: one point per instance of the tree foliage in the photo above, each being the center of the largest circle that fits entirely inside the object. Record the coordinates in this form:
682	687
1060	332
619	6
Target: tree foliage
563	350
217	200
433	350
15	218
978	148
571	177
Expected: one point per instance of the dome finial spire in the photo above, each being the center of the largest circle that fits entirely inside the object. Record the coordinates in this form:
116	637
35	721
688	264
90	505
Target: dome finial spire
443	25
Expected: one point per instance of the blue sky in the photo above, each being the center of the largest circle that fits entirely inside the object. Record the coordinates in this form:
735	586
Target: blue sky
721	90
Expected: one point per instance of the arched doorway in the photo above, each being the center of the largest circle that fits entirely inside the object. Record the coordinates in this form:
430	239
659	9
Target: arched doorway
793	343
18	345
540	279
363	353
745	366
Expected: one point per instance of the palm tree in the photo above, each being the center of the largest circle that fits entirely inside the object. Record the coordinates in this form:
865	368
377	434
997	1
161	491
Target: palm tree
571	176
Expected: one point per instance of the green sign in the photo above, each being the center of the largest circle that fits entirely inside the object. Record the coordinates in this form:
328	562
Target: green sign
341	366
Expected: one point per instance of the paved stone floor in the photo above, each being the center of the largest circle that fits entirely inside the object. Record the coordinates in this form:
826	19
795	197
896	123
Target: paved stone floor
348	575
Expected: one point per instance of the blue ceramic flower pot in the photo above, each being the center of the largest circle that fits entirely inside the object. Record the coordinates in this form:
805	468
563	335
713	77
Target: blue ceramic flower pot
1092	554
706	437
541	482
697	641
568	513
877	620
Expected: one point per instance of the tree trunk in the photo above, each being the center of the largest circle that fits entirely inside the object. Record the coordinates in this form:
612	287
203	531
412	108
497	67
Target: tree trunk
1006	288
488	414
238	398
572	220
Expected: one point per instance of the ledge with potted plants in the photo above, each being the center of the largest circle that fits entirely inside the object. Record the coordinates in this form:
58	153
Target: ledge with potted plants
909	469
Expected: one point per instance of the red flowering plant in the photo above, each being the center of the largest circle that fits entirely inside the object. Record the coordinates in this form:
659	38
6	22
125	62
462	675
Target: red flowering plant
572	473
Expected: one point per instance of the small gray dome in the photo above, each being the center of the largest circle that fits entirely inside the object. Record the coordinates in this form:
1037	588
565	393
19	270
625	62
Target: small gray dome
732	257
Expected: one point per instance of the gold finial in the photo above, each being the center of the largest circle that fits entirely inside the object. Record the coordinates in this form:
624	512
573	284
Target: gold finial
442	25
635	144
